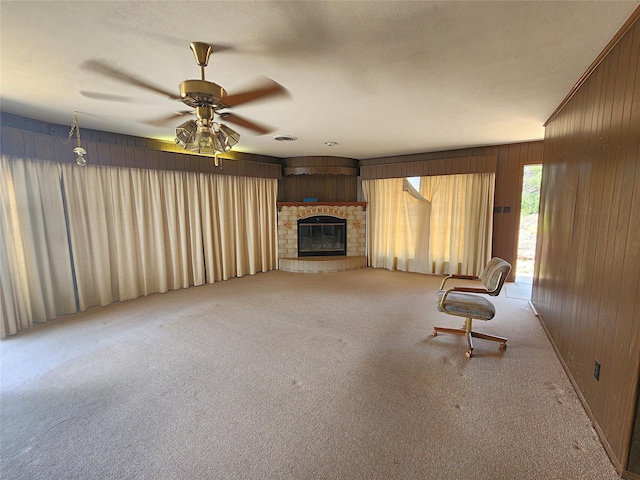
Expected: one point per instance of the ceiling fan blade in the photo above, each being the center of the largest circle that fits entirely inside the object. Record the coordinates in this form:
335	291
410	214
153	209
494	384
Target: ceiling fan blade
216	47
170	40
268	88
103	68
105	96
163	121
243	122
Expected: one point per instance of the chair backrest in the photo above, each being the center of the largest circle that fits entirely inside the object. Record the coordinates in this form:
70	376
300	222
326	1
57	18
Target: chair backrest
494	275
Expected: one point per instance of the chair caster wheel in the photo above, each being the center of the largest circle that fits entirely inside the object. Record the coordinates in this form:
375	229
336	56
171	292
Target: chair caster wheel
434	334
469	353
503	346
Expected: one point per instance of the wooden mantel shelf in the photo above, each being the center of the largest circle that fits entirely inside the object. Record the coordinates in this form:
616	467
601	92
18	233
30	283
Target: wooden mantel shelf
316	204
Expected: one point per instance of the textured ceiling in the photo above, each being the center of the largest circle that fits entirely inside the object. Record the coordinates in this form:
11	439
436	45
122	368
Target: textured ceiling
379	78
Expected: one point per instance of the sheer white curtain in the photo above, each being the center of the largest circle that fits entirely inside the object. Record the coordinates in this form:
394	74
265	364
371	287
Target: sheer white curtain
36	279
397	225
73	237
461	221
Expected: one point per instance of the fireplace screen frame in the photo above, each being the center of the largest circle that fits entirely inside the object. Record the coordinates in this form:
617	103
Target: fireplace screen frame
321	229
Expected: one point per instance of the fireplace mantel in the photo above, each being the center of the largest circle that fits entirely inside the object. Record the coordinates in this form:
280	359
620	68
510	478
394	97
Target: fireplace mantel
317	204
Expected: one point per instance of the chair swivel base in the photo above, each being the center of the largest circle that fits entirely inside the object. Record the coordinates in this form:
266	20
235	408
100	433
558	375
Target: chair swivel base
469	335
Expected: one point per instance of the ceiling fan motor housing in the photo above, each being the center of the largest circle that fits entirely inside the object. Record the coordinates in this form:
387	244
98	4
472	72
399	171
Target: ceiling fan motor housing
198	93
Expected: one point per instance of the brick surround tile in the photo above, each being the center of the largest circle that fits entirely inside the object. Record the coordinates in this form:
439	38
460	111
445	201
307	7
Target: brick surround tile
288	217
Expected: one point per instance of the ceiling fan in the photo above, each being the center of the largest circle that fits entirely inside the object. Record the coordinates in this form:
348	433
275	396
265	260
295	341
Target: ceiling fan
203	135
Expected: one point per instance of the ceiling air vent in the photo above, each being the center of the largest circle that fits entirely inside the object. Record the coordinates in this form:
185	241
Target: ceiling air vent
284	138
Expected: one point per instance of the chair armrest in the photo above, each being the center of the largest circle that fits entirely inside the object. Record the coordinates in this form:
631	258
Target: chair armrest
459	289
459	277
444	297
470	290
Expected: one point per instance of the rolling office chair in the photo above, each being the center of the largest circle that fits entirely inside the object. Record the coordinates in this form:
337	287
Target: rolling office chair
469	302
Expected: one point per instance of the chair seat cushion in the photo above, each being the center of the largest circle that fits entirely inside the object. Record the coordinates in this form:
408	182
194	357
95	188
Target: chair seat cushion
466	305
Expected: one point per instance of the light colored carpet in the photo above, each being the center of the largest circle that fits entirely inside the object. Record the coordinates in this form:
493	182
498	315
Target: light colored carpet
291	376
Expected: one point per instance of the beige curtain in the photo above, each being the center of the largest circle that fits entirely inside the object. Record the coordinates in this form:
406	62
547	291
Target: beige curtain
36	279
157	231
123	233
239	225
397	225
445	228
134	232
461	221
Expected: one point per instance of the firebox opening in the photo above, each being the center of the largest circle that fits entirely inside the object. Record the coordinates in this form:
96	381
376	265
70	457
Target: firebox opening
322	235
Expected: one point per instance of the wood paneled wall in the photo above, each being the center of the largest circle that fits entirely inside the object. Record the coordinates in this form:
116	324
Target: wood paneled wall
326	188
587	278
329	179
28	138
506	160
321	165
422	168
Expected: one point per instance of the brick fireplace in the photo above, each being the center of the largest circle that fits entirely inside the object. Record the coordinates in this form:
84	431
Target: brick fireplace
289	215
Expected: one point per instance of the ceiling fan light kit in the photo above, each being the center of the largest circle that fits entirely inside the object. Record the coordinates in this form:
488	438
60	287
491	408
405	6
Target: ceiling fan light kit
204	136
186	133
230	136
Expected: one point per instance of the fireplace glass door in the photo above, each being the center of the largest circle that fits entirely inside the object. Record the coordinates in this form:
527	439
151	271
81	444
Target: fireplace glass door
322	235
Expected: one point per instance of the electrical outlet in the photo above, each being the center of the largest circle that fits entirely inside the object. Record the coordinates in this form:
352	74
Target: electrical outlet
596	370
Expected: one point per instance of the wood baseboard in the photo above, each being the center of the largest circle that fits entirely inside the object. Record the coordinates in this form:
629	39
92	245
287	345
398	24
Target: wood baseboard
630	475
